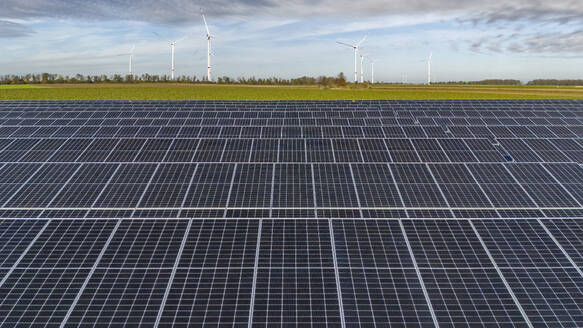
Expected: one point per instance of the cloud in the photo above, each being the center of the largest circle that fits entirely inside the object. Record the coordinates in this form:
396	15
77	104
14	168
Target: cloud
560	43
552	43
13	30
183	11
558	12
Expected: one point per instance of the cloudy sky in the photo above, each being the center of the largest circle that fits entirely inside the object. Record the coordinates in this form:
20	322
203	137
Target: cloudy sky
470	39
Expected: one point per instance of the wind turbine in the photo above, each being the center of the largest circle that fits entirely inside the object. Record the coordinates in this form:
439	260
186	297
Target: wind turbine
429	68
362	57
172	46
208	39
131	56
355	47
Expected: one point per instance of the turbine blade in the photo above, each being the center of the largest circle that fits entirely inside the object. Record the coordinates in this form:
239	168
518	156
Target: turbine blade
160	37
208	33
345	44
361	41
132	50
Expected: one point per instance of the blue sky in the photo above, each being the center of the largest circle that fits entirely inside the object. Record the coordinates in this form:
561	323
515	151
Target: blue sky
470	40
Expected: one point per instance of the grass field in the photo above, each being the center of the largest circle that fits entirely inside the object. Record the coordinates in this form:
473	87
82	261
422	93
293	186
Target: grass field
17	86
231	92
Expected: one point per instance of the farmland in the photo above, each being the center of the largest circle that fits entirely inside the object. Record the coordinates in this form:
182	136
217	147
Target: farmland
177	91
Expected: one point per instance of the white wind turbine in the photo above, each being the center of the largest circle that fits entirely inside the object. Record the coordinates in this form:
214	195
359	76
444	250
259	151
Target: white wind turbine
131	56
429	67
172	46
362	57
208	39
355	47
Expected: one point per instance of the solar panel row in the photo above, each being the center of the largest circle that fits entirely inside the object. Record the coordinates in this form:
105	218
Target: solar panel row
118	271
277	186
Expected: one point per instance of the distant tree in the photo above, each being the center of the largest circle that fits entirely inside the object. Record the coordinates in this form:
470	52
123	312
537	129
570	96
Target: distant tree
556	82
341	79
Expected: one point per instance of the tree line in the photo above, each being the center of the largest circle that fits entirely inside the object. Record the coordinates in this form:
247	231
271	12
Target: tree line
48	78
485	82
556	82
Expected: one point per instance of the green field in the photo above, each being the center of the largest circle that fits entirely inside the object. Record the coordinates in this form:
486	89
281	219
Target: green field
19	86
231	92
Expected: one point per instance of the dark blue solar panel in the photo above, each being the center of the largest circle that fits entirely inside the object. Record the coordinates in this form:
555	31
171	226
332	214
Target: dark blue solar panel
321	213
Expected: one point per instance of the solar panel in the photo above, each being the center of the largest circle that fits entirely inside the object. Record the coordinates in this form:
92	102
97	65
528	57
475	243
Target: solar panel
445	244
549	295
383	297
291	213
121	296
39	296
209	296
471	297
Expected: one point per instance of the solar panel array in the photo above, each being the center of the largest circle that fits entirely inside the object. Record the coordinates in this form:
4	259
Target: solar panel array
331	213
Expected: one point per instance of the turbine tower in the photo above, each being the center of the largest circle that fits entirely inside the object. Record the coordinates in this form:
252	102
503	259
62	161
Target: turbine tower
429	68
362	57
172	45
355	47
131	58
208	39
172	51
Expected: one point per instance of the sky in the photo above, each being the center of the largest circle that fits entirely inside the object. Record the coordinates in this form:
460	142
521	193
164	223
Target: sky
469	39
